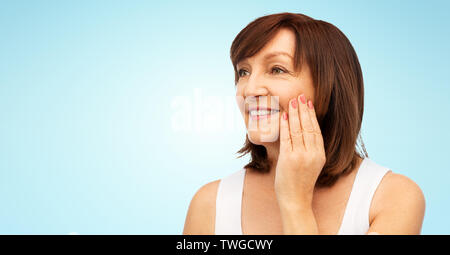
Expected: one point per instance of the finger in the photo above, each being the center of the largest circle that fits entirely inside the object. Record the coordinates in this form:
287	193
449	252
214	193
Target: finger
316	126
285	138
294	126
307	127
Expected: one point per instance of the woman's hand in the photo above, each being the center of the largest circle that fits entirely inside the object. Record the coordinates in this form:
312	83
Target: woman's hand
301	157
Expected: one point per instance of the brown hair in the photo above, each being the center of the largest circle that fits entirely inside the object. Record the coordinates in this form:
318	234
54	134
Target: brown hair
338	84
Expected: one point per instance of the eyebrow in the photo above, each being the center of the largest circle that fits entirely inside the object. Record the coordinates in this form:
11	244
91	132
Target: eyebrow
272	55
277	53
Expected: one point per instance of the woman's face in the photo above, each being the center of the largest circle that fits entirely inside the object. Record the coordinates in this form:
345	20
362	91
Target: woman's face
267	81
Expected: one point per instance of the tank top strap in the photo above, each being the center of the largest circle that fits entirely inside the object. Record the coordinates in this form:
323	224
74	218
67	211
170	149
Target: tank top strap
356	216
229	204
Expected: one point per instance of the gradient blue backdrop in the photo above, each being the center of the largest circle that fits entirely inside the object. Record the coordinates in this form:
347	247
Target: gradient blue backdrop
87	143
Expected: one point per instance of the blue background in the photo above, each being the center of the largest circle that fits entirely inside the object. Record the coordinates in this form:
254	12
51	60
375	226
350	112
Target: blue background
87	92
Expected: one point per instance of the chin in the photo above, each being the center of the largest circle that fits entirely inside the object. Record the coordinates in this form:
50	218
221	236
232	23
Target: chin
263	131
260	137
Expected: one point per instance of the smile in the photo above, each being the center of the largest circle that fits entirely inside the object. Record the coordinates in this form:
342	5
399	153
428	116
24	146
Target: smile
261	113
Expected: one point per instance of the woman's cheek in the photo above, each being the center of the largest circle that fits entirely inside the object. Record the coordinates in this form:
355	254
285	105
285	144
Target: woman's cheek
240	100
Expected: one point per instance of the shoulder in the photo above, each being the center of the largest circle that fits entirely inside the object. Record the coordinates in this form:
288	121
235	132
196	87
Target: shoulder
398	205
398	189
201	214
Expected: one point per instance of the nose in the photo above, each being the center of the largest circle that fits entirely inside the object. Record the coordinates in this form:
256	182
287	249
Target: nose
255	86
257	92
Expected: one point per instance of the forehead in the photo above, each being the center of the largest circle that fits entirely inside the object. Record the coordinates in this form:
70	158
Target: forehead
282	45
284	40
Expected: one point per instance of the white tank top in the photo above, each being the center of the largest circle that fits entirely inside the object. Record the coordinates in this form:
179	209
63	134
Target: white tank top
356	215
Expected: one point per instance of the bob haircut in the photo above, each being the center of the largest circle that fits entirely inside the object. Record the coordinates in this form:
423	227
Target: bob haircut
338	85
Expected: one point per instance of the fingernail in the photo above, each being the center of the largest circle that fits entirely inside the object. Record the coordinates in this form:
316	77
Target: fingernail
310	104
303	98
294	103
285	115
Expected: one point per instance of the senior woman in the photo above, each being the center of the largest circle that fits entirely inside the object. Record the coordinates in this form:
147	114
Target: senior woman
299	87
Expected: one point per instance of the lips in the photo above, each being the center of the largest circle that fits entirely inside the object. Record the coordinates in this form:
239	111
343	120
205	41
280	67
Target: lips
257	108
261	112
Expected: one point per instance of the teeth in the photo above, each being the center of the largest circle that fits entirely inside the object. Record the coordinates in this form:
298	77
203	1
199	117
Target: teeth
262	112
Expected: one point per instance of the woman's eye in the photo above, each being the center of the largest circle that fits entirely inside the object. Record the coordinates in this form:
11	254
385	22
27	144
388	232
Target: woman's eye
275	70
278	69
241	71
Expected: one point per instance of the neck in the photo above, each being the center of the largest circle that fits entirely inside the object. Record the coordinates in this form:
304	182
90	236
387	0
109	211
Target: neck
273	149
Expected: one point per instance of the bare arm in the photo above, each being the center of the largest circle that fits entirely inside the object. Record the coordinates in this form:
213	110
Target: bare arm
401	207
399	210
299	220
401	204
200	218
300	161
